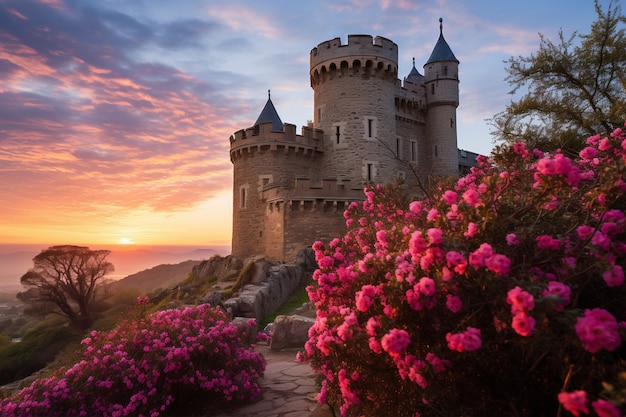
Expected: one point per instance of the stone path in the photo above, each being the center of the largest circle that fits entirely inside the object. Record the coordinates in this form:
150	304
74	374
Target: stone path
289	389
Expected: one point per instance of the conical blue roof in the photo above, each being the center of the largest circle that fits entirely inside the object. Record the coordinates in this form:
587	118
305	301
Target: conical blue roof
414	75
442	51
269	114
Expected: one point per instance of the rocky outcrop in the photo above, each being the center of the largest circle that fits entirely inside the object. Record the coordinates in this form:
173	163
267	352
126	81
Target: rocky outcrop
270	287
290	332
221	268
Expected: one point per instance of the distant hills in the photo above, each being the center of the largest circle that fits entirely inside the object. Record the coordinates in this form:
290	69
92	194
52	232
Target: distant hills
160	276
16	260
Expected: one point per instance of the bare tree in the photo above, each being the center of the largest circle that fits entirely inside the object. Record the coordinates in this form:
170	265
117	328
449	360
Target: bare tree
66	280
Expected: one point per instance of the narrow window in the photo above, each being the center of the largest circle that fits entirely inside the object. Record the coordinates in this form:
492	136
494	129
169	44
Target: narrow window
436	151
338	133
319	114
445	70
432	89
370	125
244	198
370	171
413	151
398	147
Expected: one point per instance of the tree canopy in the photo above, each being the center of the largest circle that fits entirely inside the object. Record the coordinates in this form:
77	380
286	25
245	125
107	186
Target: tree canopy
66	280
572	90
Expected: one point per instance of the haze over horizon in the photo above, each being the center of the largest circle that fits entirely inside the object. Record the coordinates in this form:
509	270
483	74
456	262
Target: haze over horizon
117	114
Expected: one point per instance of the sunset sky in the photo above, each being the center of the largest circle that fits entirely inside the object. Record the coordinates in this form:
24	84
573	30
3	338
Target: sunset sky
115	114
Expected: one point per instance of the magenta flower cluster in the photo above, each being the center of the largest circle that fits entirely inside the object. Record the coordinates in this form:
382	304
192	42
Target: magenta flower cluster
144	367
504	286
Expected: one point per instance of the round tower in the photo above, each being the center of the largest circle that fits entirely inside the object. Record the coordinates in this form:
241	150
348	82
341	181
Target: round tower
266	158
354	88
441	79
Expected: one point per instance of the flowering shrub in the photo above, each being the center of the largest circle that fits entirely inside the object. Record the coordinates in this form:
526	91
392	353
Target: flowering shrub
142	367
500	295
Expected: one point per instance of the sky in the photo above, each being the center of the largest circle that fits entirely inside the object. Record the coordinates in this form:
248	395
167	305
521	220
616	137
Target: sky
115	115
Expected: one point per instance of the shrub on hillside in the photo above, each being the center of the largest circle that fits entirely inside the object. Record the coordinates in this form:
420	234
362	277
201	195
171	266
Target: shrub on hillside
144	366
503	295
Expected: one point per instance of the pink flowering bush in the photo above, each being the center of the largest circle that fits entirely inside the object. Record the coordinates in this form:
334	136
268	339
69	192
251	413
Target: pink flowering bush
502	294
145	367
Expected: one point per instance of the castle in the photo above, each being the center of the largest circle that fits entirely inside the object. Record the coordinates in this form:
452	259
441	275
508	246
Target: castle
369	127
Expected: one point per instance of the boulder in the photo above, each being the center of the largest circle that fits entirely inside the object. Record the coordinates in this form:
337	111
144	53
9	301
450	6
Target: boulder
290	332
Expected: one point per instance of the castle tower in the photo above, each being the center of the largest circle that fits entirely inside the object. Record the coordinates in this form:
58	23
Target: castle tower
267	158
441	79
354	87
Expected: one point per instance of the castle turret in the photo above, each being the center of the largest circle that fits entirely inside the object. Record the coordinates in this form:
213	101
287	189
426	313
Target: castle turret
441	79
354	87
267	156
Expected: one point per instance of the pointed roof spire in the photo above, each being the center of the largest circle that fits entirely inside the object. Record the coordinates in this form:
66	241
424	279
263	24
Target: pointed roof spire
442	51
414	72
269	114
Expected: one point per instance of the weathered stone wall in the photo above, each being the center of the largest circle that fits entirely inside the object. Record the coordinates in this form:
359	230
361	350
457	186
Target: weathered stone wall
311	221
261	299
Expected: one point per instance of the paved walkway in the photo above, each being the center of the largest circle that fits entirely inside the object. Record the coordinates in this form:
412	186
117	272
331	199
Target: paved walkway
289	389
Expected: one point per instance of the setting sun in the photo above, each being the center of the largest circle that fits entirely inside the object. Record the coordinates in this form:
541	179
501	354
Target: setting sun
126	241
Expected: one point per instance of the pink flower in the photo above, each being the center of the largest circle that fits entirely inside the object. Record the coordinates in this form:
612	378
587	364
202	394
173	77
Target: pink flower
605	144
614	277
598	329
584	232
548	242
465	342
574	402
434	236
603	408
372	326
364	298
449	197
601	240
546	166
456	261
395	342
471	197
472	229
523	324
417	244
588	153
520	300
560	290
415	207
426	286
500	264
512	240
454	303
433	214
477	258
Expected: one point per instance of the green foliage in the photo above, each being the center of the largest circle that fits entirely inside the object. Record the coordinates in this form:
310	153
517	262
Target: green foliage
37	348
572	90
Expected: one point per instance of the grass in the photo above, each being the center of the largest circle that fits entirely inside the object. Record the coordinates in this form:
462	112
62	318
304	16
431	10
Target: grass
296	300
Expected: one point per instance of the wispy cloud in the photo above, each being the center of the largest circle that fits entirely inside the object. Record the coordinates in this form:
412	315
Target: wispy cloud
87	129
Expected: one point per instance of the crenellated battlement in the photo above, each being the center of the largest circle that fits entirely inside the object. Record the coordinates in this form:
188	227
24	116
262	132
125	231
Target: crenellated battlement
361	51
311	140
